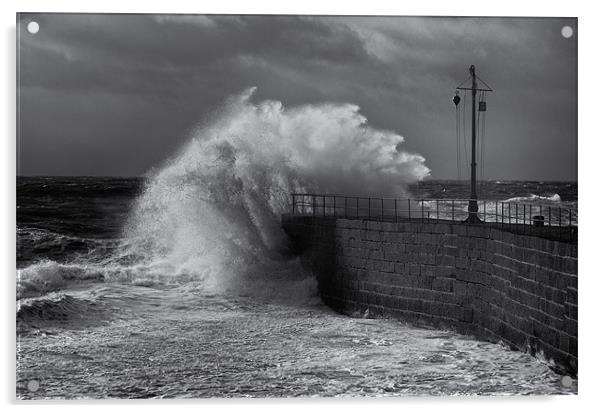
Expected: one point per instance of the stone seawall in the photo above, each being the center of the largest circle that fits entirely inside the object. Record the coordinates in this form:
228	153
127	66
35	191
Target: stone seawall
477	280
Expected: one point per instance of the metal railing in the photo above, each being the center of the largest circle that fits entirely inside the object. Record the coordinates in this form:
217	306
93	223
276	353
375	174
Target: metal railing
536	219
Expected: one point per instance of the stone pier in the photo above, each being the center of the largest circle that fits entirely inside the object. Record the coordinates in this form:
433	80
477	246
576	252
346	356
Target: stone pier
477	280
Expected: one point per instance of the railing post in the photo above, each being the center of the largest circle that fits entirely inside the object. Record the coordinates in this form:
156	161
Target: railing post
524	218
502	214
530	218
395	209
313	205
496	212
453	210
293	211
382	209
345	201
335	206
422	210
369	206
570	226
409	211
357	206
550	217
437	202
484	211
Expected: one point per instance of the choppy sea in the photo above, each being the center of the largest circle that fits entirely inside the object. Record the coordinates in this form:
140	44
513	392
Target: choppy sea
116	298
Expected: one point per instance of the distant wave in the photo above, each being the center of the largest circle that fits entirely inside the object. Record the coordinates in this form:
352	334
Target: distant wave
34	244
57	309
535	198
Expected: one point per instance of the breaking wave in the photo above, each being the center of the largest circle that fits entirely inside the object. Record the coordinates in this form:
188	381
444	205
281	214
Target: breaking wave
211	215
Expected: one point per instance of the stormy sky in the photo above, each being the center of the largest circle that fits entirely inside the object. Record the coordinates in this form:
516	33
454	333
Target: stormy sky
119	94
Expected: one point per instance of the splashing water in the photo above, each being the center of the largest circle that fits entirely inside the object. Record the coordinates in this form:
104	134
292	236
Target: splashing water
210	217
213	212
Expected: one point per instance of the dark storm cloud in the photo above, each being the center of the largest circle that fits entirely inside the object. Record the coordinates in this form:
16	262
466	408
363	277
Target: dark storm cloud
116	94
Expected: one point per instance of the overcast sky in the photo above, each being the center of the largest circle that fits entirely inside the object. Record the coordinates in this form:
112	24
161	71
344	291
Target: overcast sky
118	94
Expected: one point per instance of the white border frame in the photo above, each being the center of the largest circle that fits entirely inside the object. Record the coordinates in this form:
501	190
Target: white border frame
590	287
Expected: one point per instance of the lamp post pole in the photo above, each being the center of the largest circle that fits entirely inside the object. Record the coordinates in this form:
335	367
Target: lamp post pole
473	206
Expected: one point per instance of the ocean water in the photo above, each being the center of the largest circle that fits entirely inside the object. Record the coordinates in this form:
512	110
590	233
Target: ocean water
97	321
181	284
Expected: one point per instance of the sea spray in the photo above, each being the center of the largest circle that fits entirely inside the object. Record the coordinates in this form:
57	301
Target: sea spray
213	211
209	218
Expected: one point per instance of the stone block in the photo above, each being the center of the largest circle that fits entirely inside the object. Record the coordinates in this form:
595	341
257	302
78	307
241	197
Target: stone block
461	263
570	327
376	254
568	265
459	229
448	261
400	268
427	270
414	269
571	295
443	284
372	236
445	271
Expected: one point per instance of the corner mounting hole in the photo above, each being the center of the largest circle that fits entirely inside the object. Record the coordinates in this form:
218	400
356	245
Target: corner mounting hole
566	381
567	32
33	27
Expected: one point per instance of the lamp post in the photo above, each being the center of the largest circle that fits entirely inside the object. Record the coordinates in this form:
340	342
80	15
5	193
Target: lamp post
473	207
